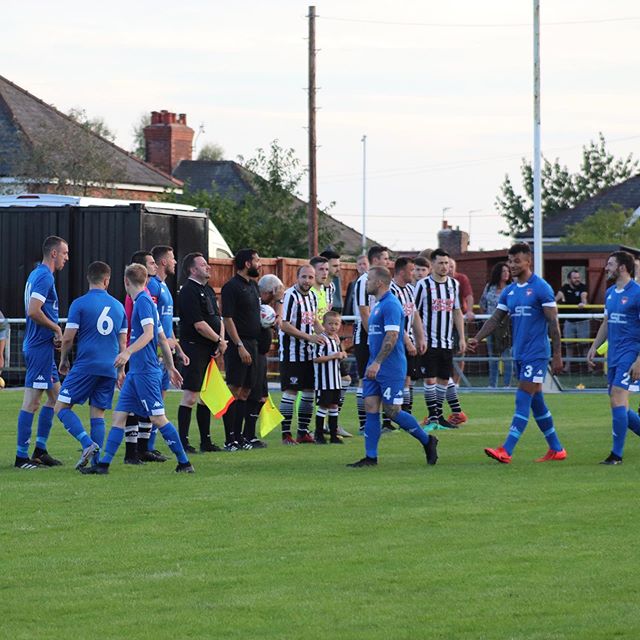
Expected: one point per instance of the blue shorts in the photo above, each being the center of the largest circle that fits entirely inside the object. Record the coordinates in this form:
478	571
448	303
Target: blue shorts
141	394
42	372
531	370
389	389
619	376
80	387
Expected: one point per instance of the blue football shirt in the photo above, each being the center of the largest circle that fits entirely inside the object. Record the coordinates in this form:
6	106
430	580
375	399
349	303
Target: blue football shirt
144	313
41	286
388	315
525	304
164	301
622	309
99	319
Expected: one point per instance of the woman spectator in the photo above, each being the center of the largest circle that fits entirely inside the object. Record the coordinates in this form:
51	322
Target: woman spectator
499	342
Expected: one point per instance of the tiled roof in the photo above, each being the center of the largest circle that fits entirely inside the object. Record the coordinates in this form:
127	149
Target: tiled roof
25	119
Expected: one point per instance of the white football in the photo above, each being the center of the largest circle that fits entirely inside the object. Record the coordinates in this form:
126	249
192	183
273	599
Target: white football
267	315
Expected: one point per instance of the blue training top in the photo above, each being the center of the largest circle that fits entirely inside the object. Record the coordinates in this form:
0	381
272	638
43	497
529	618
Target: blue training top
99	319
622	309
388	315
164	301
41	286
144	313
525	304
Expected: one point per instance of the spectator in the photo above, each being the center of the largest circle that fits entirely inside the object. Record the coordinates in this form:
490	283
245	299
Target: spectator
466	304
574	292
4	330
499	342
422	270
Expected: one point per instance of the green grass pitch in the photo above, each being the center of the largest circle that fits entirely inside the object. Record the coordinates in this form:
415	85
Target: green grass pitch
289	543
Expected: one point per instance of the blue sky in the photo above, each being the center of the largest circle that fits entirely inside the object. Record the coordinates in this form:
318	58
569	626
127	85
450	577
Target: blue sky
445	101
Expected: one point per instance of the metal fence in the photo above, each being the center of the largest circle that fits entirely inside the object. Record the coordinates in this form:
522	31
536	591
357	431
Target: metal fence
473	370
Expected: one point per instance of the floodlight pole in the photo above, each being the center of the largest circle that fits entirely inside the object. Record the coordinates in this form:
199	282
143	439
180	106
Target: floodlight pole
537	160
364	193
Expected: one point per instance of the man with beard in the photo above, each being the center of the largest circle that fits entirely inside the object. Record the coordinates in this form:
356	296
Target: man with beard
530	302
621	328
299	331
241	313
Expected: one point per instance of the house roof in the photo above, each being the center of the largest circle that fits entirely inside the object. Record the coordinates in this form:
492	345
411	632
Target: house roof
235	181
24	119
626	194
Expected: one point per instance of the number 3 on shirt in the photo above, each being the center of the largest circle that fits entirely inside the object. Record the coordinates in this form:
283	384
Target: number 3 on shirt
528	370
105	323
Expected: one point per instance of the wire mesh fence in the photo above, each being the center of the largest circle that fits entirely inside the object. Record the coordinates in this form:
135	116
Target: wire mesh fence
482	371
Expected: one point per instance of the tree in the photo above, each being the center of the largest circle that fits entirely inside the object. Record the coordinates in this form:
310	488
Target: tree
608	225
139	147
269	218
562	189
211	151
96	124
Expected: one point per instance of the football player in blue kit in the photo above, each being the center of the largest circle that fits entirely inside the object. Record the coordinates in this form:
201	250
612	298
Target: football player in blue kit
621	327
530	303
42	335
100	323
386	372
141	392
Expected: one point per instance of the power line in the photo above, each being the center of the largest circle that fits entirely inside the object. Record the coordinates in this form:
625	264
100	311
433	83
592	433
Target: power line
479	25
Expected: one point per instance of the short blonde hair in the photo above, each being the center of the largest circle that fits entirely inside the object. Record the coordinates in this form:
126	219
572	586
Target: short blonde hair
136	274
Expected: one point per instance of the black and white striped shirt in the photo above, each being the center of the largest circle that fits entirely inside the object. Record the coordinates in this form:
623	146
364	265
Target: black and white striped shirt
435	302
361	299
300	311
327	373
330	292
406	295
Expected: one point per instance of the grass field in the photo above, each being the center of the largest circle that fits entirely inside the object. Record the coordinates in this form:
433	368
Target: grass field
289	543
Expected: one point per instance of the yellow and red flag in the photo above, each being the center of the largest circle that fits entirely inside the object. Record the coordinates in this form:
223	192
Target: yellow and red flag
215	393
269	418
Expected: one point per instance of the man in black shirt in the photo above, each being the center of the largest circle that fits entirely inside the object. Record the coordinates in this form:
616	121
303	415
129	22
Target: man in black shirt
241	313
201	338
574	292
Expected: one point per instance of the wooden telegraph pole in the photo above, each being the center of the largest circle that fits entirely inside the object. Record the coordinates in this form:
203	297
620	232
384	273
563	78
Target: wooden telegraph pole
313	184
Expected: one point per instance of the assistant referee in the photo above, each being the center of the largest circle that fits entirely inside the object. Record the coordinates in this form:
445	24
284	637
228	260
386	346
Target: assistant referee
201	338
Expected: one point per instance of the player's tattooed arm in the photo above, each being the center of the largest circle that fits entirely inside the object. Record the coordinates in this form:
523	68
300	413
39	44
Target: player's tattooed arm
551	314
490	325
388	342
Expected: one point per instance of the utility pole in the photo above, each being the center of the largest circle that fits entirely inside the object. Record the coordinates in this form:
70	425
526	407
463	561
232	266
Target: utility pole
313	181
364	194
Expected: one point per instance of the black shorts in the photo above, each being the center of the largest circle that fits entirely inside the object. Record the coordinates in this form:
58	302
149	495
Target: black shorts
413	367
260	389
437	363
199	357
296	376
238	374
327	397
362	357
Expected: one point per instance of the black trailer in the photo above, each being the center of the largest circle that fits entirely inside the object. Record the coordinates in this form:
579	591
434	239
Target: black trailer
107	233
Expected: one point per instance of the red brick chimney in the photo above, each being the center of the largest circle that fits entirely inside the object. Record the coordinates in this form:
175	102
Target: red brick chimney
167	140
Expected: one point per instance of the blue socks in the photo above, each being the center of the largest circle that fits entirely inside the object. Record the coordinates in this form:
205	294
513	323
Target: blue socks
171	437
543	417
407	422
116	435
98	431
45	422
519	422
372	428
25	421
151	445
620	424
74	426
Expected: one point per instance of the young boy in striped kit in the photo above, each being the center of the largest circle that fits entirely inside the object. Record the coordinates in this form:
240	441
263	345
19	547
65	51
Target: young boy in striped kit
327	356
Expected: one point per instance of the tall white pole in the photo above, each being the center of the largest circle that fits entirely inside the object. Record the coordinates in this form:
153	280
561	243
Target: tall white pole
364	193
537	160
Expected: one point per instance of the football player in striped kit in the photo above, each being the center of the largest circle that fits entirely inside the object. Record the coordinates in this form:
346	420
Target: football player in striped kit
438	303
299	331
414	344
327	357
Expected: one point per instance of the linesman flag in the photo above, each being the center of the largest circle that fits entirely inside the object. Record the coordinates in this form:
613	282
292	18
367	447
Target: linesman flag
269	418
215	393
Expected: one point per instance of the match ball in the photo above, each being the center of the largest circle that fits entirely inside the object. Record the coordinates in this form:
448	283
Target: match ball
2	383
267	315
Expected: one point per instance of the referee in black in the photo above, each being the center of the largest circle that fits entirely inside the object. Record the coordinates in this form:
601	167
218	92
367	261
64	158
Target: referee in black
201	338
241	313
